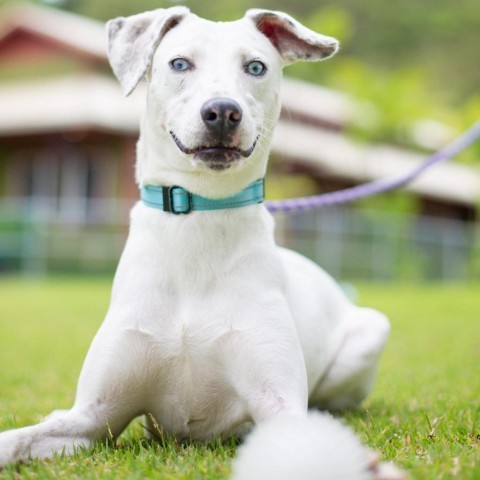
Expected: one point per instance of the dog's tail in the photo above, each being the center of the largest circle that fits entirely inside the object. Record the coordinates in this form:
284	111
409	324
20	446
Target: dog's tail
315	447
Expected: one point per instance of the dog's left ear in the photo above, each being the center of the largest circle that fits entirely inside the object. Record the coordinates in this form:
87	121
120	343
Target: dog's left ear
132	41
292	40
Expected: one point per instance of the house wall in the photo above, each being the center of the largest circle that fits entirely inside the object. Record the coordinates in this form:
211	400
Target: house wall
436	208
60	173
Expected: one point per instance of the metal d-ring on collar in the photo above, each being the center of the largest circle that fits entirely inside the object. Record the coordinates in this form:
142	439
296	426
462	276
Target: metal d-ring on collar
177	200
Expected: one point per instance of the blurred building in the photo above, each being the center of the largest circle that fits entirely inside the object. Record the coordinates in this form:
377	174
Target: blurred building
66	131
68	135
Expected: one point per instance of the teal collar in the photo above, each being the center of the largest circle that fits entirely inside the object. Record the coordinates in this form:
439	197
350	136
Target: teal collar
178	200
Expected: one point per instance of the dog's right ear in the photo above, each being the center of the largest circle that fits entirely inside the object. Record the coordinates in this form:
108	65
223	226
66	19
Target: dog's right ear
132	41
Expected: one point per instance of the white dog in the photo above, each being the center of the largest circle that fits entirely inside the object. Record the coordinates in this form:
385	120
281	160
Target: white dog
211	326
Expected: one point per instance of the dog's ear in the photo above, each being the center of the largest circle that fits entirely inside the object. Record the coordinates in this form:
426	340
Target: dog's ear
132	41
292	40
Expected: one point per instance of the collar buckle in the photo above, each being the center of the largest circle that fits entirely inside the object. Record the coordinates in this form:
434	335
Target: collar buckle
171	205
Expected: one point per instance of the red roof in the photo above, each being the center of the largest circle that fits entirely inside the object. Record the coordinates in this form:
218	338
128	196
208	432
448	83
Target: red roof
26	27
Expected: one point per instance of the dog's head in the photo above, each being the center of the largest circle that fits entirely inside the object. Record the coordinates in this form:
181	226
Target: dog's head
213	91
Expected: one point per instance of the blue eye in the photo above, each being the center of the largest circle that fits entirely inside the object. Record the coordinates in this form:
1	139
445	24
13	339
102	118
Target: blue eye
256	68
180	64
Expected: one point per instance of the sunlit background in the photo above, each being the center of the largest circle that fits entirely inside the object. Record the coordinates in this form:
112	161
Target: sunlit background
404	84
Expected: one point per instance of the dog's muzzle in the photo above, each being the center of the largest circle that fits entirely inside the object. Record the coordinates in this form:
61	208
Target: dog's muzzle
222	118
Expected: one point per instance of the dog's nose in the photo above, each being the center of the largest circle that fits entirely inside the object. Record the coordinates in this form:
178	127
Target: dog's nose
221	115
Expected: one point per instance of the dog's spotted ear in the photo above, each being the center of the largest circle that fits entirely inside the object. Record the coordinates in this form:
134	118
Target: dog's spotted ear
292	40
132	41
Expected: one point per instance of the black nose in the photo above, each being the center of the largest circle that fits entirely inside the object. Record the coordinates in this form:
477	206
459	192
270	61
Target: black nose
222	116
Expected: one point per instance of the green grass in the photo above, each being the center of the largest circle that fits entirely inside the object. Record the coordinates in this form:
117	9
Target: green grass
424	412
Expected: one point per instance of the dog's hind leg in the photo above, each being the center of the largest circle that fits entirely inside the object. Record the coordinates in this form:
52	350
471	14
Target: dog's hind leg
351	376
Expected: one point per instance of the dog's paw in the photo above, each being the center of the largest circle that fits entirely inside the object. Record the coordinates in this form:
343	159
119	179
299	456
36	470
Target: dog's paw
8	448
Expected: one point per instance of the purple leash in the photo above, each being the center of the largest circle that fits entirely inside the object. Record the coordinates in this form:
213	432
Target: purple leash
377	186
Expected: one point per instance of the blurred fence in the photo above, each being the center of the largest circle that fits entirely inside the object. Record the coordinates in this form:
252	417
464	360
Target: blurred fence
383	246
37	236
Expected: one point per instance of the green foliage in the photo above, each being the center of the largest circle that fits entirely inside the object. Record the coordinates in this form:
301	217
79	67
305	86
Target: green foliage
423	413
466	114
399	98
334	21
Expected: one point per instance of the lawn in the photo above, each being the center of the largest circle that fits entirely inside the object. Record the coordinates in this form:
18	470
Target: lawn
424	412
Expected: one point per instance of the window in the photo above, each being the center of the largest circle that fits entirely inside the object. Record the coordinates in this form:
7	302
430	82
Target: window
66	183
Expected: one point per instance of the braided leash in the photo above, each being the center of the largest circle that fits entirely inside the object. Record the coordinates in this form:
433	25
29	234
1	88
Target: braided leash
377	186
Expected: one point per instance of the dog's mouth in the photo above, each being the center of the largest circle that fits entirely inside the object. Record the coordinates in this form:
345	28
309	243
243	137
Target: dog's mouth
217	156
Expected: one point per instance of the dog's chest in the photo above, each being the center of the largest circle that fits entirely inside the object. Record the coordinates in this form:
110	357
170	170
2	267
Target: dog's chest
194	394
190	288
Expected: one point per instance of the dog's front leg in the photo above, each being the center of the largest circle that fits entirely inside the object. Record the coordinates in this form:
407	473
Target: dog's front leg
62	433
109	395
266	364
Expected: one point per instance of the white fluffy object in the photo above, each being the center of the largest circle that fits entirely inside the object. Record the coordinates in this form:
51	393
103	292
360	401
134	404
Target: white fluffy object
315	447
